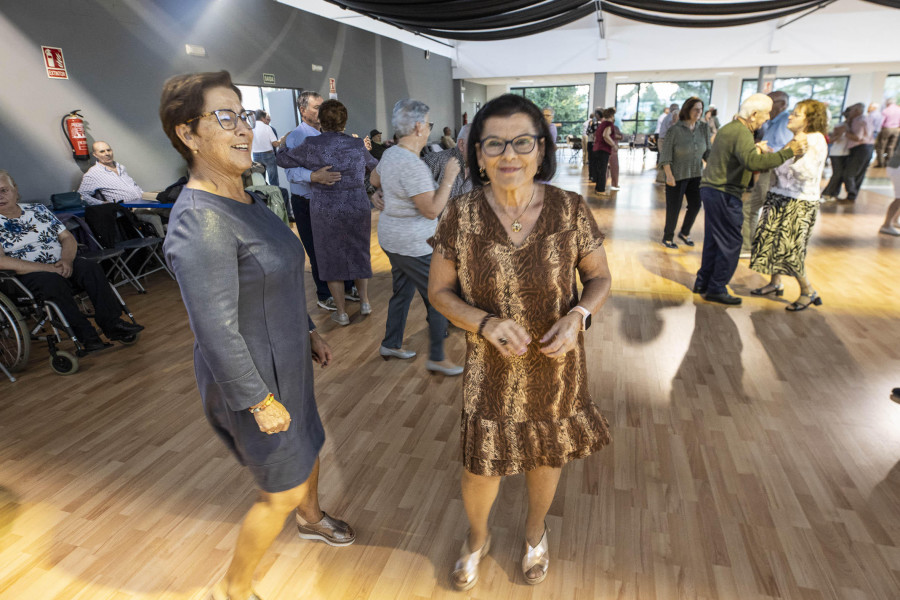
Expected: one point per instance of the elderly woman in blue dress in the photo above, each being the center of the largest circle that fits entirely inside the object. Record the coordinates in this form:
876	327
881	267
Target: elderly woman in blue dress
241	277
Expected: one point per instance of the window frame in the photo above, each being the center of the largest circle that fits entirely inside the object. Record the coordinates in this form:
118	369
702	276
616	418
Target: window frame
633	124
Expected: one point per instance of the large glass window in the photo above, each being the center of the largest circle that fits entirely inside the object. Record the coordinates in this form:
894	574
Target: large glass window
892	87
639	105
570	103
830	90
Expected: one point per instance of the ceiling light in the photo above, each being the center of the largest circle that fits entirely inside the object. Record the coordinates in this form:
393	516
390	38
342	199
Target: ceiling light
621	77
525	80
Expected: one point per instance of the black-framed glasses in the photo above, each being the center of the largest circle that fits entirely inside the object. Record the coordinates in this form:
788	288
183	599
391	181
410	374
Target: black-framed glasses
228	119
430	126
521	144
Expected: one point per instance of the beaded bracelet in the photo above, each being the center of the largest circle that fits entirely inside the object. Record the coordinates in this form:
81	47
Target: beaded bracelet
484	321
261	407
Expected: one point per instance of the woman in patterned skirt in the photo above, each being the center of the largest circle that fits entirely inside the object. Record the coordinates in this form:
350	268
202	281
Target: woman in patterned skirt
507	259
790	210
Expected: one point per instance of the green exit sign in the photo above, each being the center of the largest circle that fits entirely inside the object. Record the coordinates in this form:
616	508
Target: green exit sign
269	78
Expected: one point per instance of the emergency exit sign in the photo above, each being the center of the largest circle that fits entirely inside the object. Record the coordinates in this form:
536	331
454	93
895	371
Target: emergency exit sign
269	78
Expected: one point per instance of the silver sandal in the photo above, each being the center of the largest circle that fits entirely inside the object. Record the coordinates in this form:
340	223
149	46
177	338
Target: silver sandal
465	572
537	556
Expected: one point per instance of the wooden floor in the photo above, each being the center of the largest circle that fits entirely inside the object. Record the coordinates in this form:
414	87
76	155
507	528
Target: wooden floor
755	452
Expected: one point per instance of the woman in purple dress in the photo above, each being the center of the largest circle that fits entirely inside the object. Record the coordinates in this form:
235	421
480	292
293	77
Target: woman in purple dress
341	214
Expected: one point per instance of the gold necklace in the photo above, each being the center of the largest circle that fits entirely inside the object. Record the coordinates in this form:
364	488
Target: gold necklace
516	226
407	148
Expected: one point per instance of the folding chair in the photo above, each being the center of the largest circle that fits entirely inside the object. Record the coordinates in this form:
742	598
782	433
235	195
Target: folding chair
115	227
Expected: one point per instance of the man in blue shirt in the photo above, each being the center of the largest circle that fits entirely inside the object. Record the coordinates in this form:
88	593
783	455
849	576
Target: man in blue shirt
775	136
300	179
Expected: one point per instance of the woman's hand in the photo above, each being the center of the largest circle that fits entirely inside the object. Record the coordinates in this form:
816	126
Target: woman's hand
450	172
507	336
563	336
321	352
274	418
670	180
377	199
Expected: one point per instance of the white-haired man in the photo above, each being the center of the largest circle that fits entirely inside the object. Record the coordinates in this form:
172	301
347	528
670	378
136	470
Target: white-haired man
437	162
776	135
733	156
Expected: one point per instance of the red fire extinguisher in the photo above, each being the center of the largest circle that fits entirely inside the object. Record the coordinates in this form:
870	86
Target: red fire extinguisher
73	127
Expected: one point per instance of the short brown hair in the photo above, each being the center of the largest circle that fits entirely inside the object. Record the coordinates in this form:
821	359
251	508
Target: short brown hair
816	114
332	116
685	113
182	100
608	113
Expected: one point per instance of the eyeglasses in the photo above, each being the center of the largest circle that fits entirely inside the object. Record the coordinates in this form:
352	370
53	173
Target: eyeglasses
521	144
228	119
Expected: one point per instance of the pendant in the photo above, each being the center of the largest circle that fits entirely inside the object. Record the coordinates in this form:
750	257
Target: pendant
516	226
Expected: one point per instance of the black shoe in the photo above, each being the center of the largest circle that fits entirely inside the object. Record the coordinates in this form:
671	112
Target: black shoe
723	298
895	395
798	306
94	345
122	330
699	288
670	244
686	239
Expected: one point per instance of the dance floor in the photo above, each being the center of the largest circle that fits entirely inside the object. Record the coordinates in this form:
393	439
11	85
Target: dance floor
755	454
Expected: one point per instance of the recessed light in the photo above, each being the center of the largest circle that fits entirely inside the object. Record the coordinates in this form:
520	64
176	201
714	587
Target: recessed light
525	80
621	77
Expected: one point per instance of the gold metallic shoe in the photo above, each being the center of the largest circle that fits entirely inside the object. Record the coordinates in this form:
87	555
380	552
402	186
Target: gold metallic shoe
538	556
333	532
465	572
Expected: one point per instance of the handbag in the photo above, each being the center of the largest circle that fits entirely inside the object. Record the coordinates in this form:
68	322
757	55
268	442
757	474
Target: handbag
66	201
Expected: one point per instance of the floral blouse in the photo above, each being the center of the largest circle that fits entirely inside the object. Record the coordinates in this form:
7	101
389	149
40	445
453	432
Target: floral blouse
34	236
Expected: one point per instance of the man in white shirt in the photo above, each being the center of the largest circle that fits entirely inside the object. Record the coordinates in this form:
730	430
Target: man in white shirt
264	143
108	181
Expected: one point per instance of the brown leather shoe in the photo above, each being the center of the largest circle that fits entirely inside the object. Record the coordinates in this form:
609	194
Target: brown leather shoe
333	532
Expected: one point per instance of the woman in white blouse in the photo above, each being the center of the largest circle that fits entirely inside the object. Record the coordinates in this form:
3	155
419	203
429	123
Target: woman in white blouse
790	209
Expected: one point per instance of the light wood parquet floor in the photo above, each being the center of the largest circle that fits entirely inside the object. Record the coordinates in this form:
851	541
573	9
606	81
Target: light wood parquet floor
755	452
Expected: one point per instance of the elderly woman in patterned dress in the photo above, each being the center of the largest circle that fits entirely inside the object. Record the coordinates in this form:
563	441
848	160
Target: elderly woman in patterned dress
790	209
505	268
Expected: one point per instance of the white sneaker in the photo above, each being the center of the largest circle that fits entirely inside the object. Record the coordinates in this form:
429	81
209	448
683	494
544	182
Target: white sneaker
340	318
745	255
615	188
889	230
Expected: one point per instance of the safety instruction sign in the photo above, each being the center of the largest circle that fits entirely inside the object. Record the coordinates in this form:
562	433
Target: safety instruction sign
54	63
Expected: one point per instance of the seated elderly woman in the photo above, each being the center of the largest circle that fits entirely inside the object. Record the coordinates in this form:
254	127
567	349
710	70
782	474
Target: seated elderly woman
37	247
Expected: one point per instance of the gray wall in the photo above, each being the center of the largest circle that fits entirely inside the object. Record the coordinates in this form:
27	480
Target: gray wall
119	54
475	93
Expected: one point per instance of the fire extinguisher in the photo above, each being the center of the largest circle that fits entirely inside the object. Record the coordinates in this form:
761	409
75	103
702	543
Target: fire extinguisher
73	127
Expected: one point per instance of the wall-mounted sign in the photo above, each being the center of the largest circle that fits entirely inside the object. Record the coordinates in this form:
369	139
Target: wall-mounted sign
269	78
332	89
54	63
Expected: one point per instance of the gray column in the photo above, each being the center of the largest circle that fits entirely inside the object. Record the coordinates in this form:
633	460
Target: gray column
599	91
457	105
766	81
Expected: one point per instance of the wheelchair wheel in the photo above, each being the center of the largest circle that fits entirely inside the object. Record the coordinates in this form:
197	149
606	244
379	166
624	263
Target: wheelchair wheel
64	363
130	340
15	340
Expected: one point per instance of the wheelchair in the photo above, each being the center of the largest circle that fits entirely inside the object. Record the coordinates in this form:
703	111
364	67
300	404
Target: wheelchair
19	307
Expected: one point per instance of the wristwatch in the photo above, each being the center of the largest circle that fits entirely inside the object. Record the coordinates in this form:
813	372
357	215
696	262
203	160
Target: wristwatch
585	316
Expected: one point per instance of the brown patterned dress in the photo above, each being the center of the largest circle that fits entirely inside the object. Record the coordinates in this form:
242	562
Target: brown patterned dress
529	411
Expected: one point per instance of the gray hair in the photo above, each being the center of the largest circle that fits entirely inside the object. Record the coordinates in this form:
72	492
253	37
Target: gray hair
406	114
5	173
304	97
551	109
755	103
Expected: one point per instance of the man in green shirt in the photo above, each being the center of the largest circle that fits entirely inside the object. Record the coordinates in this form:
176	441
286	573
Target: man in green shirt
732	158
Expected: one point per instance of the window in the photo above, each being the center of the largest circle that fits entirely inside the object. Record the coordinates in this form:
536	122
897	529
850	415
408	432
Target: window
639	105
830	90
570	103
280	103
892	88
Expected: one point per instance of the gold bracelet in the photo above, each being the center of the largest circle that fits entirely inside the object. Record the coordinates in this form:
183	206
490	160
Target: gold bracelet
262	406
